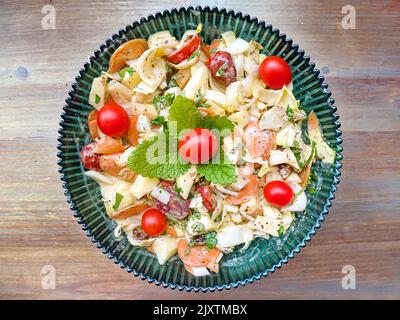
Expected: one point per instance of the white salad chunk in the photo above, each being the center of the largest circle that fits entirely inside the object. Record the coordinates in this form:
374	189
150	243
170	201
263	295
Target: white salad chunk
185	182
143	186
165	247
233	235
161	195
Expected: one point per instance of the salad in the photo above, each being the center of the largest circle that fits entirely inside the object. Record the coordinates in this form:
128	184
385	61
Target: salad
199	148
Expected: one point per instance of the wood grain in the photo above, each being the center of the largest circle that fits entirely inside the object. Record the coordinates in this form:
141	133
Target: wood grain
362	68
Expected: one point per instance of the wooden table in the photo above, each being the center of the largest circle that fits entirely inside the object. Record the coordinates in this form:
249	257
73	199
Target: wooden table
37	67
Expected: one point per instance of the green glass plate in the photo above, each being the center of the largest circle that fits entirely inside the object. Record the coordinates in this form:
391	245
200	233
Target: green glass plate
238	268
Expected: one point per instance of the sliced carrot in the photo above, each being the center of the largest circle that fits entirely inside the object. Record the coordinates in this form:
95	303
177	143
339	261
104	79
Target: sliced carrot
133	134
197	256
108	145
259	143
207	49
130	211
93	129
171	231
214	44
108	165
92	124
117	62
249	191
92	115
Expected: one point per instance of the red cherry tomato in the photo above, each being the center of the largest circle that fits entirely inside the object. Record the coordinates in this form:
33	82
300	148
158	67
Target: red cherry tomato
275	72
154	222
205	193
278	193
222	67
198	146
90	160
190	46
112	119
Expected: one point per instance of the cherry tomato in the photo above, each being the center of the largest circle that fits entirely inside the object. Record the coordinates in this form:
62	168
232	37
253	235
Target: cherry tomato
198	146
205	193
90	160
154	222
275	72
112	119
222	67
190	46
278	193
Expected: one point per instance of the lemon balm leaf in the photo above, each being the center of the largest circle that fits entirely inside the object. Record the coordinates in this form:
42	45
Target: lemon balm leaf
166	166
185	114
217	122
218	173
